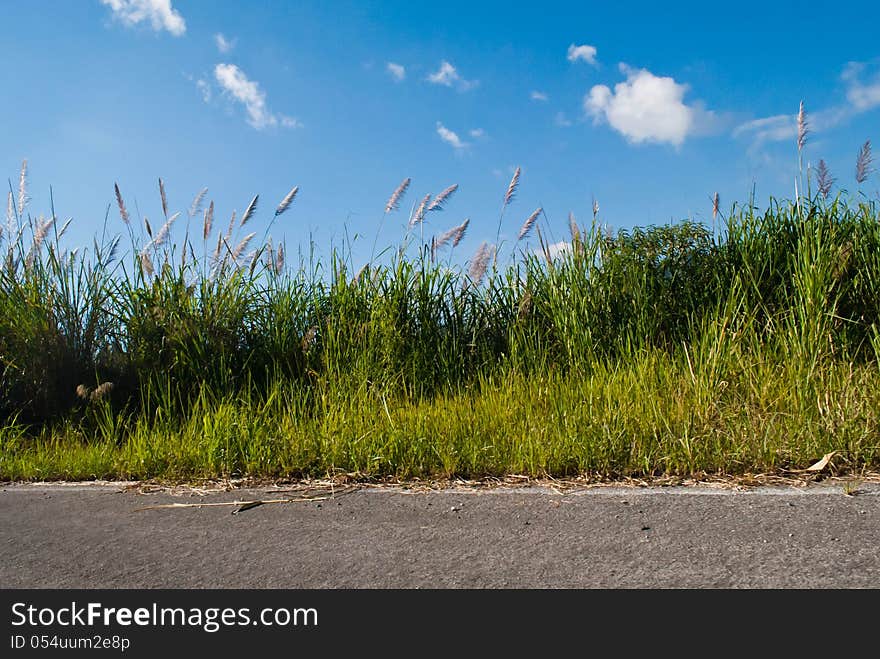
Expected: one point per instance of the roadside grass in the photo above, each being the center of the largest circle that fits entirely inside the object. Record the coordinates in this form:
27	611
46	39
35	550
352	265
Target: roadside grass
671	350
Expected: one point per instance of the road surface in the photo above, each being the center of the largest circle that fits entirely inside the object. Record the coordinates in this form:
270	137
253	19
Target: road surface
99	536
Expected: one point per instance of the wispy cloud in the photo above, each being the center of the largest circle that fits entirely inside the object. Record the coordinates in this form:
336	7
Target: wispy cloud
647	108
584	53
450	137
539	96
860	97
562	120
477	133
204	88
236	84
397	71
448	76
224	45
159	13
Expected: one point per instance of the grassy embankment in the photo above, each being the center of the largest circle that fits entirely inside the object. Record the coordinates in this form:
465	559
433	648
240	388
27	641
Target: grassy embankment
674	350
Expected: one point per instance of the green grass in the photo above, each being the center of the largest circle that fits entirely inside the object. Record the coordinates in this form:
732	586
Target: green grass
671	350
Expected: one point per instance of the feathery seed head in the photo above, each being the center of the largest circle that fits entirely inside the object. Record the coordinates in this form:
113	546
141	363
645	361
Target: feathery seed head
529	223
209	220
824	180
146	264
279	259
22	188
196	205
394	199
162	236
231	227
123	213
101	391
239	249
164	198
863	163
511	188
442	198
715	202
480	263
287	201
419	214
803	128
440	241
460	231
573	228
249	211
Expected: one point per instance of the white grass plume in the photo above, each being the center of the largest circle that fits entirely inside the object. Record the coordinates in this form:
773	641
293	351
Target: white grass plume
146	264
442	198
573	228
512	187
123	212
22	188
196	205
242	246
864	162
287	201
249	211
209	220
455	234
164	198
419	214
803	128
394	199
529	223
10	213
42	231
824	180
279	259
480	263
162	236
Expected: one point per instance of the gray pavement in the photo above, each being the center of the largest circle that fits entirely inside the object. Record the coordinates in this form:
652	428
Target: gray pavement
97	536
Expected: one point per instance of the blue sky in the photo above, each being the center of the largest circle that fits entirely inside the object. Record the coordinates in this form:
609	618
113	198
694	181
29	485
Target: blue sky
650	109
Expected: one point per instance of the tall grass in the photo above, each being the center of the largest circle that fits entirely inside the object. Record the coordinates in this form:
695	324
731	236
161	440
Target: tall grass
672	349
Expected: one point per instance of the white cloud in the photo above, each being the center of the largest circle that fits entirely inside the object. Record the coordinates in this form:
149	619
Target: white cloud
862	97
555	250
539	96
205	88
160	14
769	129
562	120
397	71
234	82
223	44
647	108
477	133
450	137
448	76
584	53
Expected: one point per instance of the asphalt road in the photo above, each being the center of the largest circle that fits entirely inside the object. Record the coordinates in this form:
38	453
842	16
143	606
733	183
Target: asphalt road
96	536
